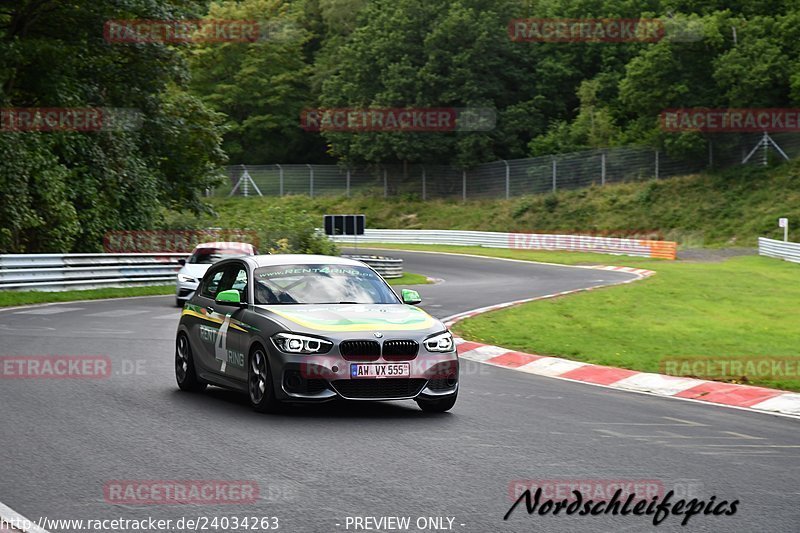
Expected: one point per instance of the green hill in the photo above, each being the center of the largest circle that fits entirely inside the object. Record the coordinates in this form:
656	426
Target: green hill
731	208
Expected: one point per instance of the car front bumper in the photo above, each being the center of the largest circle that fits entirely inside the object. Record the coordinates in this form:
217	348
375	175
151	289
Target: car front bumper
319	378
185	290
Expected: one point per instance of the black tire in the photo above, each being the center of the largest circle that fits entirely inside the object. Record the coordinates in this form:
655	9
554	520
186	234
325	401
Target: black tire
260	389
185	373
178	303
439	405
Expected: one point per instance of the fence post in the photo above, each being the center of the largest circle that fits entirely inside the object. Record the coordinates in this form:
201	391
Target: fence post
280	179
656	164
424	186
463	185
385	184
348	182
603	167
246	183
311	180
508	180
554	174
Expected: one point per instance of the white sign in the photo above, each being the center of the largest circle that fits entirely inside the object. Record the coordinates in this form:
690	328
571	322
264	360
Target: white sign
783	222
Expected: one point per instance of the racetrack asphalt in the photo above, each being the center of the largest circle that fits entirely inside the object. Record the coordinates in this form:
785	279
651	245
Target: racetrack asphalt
63	440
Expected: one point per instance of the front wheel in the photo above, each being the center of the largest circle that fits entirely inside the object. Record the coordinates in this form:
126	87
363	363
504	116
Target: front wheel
259	383
185	373
439	405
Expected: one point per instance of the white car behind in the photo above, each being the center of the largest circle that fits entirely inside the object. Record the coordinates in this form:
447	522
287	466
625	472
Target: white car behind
202	257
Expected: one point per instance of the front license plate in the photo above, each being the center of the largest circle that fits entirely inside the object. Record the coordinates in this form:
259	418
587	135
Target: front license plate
380	370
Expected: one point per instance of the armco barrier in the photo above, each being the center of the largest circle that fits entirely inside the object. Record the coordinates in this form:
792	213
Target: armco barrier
790	251
520	241
388	267
59	272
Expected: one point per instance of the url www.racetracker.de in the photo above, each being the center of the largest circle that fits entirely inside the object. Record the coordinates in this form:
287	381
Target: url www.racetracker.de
199	523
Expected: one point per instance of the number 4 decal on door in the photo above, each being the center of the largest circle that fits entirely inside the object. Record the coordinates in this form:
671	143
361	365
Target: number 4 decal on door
221	346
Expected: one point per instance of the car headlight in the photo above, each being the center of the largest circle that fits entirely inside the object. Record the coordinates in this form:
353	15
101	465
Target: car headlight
443	342
291	343
186	279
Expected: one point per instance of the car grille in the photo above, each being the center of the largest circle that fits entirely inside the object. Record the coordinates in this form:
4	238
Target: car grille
399	350
378	388
360	350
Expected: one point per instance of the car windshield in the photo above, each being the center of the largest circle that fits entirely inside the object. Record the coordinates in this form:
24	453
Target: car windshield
320	284
208	256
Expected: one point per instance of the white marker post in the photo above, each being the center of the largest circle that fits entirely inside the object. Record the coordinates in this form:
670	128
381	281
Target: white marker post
784	223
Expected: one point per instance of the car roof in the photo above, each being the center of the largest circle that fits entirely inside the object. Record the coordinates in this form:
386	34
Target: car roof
244	247
301	259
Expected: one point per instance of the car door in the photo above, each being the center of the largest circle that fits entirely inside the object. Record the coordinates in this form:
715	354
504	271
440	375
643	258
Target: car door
206	322
232	339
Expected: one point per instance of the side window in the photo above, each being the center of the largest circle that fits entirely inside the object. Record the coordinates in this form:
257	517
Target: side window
235	277
240	283
211	282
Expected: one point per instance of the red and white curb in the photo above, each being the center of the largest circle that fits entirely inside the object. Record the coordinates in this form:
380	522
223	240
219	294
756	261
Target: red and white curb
727	394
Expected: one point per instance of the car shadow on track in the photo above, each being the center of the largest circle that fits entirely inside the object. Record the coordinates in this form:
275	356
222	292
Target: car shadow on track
218	399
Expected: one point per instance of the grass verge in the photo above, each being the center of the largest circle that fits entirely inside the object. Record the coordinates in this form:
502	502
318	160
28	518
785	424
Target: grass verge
409	278
742	308
12	298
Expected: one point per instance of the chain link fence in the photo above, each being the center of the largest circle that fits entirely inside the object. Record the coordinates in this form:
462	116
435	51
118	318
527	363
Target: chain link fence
506	179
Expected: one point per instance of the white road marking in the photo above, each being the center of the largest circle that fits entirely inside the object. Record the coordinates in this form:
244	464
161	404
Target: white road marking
119	313
680	421
13	517
48	310
172	316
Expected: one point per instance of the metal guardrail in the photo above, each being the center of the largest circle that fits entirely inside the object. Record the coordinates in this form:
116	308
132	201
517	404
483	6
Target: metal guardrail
520	241
388	267
59	272
789	251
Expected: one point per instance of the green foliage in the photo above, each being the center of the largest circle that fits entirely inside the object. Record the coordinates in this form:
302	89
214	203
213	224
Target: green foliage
414	53
35	213
261	87
67	189
282	227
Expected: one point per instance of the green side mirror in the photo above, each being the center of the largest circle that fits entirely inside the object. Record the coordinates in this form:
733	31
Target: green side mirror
228	297
410	297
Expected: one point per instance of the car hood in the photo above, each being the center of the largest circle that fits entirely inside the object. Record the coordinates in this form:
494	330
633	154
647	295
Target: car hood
194	270
352	317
